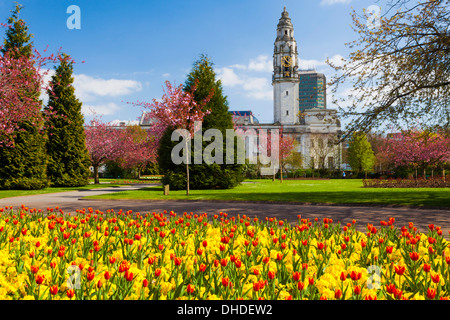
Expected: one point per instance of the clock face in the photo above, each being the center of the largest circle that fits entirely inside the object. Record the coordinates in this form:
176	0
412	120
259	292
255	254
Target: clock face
286	61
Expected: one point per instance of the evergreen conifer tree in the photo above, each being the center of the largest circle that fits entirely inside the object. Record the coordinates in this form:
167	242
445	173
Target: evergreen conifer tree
68	156
23	165
203	176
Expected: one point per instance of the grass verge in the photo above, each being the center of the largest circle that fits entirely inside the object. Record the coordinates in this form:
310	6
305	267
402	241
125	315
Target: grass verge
19	193
337	191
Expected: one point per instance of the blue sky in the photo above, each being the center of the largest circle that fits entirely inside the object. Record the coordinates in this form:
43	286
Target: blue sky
131	47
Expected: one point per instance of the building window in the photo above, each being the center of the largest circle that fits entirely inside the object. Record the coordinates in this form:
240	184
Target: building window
285	31
287	112
287	93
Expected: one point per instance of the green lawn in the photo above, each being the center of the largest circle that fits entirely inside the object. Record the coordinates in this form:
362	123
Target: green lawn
19	193
337	191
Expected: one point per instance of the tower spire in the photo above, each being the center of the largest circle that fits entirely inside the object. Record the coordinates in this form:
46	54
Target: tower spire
285	79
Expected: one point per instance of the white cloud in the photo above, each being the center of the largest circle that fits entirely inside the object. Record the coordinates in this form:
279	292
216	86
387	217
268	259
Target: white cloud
239	66
331	2
100	109
254	87
337	60
262	64
165	75
228	77
88	88
47	75
313	63
246	79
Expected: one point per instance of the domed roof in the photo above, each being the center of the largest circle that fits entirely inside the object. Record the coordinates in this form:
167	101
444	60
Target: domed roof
284	20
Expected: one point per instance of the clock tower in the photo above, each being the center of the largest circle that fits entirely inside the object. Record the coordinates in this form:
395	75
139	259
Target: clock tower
285	78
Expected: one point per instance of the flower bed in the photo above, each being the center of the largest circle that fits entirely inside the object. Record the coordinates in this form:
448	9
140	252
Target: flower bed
124	255
407	183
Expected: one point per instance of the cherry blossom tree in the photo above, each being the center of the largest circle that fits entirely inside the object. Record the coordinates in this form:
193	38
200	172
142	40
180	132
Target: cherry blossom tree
142	146
418	149
20	76
105	143
179	110
286	148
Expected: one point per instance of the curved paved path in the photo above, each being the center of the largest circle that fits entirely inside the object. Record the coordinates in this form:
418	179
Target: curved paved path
70	201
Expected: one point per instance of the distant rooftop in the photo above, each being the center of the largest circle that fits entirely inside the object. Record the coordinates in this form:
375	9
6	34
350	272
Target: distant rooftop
243	117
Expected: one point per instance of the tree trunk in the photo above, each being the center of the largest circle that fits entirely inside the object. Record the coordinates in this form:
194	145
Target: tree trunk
96	179
281	173
443	173
187	169
139	173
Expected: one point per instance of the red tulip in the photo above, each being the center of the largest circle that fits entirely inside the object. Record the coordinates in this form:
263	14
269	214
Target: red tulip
414	256
399	270
431	293
39	279
337	293
355	275
398	294
54	290
70	293
223	262
128	276
390	288
190	289
435	278
357	290
225	282
90	275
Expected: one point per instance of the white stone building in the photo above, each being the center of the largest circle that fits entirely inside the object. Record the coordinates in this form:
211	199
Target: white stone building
315	128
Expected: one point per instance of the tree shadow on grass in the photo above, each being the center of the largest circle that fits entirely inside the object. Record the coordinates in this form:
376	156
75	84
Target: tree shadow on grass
434	198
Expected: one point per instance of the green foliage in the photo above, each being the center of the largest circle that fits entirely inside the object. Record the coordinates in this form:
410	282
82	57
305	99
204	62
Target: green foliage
113	169
17	37
360	154
23	165
202	176
68	156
